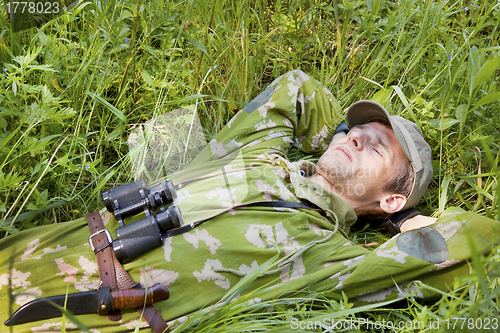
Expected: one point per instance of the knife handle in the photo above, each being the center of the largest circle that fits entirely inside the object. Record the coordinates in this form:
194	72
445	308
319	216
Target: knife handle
132	298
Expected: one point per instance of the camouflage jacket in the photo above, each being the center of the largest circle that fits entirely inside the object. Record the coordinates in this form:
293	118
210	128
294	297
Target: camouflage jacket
245	163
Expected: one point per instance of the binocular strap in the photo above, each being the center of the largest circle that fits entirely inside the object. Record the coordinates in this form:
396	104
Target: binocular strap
277	204
113	275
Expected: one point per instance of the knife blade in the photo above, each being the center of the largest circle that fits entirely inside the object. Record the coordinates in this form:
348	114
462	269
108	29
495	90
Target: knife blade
99	301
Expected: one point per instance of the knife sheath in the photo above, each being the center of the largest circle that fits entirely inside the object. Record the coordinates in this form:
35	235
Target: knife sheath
97	301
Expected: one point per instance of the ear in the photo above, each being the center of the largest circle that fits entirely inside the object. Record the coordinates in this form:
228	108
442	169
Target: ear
392	203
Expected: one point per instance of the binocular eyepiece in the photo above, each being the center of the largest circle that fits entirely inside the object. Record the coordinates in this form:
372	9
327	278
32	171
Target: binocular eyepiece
130	199
133	198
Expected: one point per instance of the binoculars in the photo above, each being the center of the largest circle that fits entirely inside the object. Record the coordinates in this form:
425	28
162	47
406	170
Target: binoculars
133	198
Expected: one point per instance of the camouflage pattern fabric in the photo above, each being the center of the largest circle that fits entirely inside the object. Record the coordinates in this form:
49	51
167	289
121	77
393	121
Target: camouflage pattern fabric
244	163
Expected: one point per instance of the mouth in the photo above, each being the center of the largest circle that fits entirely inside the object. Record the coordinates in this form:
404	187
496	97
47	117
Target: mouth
345	152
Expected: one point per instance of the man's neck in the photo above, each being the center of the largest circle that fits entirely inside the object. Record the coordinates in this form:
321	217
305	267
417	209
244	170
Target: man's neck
359	207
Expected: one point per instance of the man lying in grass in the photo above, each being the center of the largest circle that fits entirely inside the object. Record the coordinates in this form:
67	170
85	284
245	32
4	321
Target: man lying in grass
381	166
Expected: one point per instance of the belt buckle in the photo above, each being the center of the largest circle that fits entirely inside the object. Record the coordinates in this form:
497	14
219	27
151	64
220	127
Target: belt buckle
110	241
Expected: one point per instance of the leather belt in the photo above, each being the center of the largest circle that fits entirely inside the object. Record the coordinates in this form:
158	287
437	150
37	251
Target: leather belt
113	275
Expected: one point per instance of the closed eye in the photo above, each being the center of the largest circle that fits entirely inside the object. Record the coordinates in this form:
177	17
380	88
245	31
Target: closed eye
377	151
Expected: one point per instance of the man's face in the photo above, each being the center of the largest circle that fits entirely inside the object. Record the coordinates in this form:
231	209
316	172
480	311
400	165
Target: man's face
360	164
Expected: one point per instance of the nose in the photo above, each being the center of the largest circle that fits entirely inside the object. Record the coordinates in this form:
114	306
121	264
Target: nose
356	139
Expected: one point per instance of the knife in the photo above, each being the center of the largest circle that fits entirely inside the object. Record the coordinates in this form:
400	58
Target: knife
99	301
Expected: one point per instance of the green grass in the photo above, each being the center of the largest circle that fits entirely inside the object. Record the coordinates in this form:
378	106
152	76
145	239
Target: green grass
73	89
